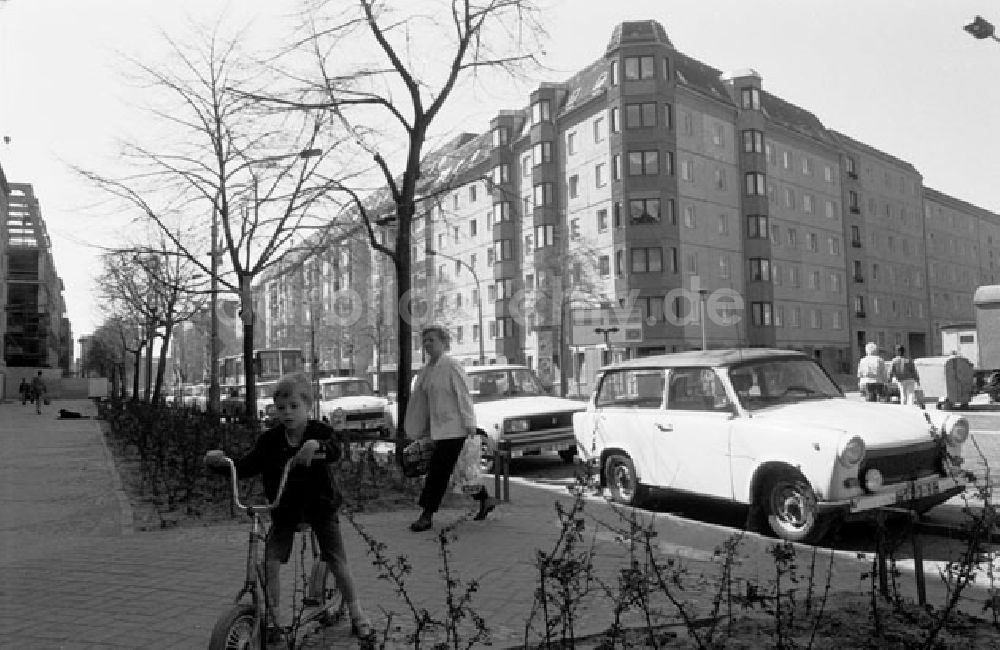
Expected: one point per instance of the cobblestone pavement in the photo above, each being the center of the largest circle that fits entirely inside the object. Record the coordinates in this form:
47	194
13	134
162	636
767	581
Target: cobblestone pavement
75	575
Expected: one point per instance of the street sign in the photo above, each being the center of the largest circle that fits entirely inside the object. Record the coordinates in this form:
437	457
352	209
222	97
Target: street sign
587	323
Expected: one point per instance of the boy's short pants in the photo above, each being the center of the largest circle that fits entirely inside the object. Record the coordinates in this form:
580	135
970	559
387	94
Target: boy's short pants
325	525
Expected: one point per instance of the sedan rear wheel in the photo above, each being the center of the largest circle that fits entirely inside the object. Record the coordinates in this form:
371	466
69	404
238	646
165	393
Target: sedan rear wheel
790	506
621	479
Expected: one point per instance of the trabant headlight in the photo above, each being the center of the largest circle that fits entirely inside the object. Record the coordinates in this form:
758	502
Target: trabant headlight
851	452
956	429
515	426
873	480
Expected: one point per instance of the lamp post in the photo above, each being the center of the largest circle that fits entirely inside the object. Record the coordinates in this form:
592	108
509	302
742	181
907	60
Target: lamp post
479	299
607	332
703	294
313	300
980	28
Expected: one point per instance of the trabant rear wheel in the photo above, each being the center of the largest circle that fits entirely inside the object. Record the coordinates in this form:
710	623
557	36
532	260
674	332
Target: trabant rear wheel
789	505
622	482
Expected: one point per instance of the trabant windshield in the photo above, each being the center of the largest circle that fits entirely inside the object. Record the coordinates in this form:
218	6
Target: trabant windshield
352	388
768	383
498	384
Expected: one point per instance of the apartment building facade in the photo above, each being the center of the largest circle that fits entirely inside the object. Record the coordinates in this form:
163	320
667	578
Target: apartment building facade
36	331
682	205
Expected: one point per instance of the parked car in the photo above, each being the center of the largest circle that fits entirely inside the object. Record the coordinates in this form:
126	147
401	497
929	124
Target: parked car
363	410
769	429
512	405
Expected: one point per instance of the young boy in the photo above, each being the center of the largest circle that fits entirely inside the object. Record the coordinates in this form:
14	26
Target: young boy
311	494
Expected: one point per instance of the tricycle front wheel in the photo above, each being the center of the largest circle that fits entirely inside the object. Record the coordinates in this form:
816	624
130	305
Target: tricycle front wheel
238	628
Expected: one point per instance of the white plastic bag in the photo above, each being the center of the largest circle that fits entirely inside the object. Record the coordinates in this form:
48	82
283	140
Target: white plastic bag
467	476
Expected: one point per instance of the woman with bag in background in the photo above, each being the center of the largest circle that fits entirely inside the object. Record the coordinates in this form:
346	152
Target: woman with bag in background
442	409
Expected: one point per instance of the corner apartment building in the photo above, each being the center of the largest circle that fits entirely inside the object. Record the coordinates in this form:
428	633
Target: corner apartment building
650	187
36	332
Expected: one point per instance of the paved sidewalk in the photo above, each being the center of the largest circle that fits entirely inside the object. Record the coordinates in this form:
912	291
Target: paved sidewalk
74	575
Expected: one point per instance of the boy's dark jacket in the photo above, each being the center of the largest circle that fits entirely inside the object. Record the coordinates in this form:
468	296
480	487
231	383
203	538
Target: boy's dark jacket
308	488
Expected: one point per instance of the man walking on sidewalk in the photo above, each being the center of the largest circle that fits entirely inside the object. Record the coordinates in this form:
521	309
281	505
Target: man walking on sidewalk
38	390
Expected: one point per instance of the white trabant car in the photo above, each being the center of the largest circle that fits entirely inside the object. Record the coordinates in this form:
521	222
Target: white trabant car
511	405
766	428
362	410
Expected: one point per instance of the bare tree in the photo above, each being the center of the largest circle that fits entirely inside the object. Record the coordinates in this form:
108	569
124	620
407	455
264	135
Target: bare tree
419	52
244	178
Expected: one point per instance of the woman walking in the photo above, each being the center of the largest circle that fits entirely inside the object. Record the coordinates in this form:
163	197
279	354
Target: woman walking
451	420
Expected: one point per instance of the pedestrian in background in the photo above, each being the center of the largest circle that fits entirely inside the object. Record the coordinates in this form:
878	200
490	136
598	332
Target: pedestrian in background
24	389
872	374
38	390
903	373
451	419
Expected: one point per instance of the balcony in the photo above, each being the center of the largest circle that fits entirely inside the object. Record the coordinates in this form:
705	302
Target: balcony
859	279
852	175
856	243
859	313
854	209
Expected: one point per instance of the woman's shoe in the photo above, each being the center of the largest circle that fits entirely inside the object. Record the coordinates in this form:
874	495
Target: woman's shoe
486	506
421	524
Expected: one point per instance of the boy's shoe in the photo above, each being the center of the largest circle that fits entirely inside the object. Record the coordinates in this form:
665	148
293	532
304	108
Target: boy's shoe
486	506
362	628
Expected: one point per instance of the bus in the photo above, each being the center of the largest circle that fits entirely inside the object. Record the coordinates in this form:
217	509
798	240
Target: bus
269	364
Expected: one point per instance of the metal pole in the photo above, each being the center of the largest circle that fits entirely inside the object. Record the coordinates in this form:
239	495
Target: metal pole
312	351
701	312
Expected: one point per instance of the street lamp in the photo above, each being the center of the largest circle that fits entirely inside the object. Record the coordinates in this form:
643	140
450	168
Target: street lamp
703	294
479	299
313	302
607	332
981	28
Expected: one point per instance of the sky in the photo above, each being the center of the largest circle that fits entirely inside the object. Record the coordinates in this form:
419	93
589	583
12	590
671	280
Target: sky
899	75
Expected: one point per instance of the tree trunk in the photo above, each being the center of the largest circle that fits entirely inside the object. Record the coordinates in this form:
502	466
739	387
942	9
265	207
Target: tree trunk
247	315
135	376
161	367
404	313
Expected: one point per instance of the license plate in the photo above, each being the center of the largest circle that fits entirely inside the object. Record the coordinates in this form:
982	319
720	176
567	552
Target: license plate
917	491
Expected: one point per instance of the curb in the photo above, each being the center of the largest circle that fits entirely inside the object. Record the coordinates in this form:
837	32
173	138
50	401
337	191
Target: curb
127	524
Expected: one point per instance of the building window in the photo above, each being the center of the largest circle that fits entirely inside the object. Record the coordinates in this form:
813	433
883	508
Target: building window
604	265
795	317
834	244
472	194
750	98
505	327
723	224
643	163
599	129
812	242
779	316
720	178
753	141
501	211
718	136
761	313
786	159
816	319
571	143
806	166
503	250
851	167
619	264
615	120
541	111
543	194
690	220
602	220
724	267
640	115
668	116
789	197
574	228
757	226
472	227
760	269
644	210
501	135
490	257
687	170
647	260
616	167
669	212
807	203
617	214
600	174
545	236
755	184
672	260
501	174
574	186
541	152
691	262
639	67
837	320
793	237
526	164
828	174
852	202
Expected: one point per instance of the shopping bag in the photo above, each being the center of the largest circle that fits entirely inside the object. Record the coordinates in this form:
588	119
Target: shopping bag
417	422
467	477
417	457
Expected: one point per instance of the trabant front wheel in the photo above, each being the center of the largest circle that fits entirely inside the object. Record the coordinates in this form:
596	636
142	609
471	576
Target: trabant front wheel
789	504
620	477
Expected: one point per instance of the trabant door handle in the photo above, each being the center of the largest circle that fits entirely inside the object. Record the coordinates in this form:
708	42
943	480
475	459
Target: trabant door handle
664	427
